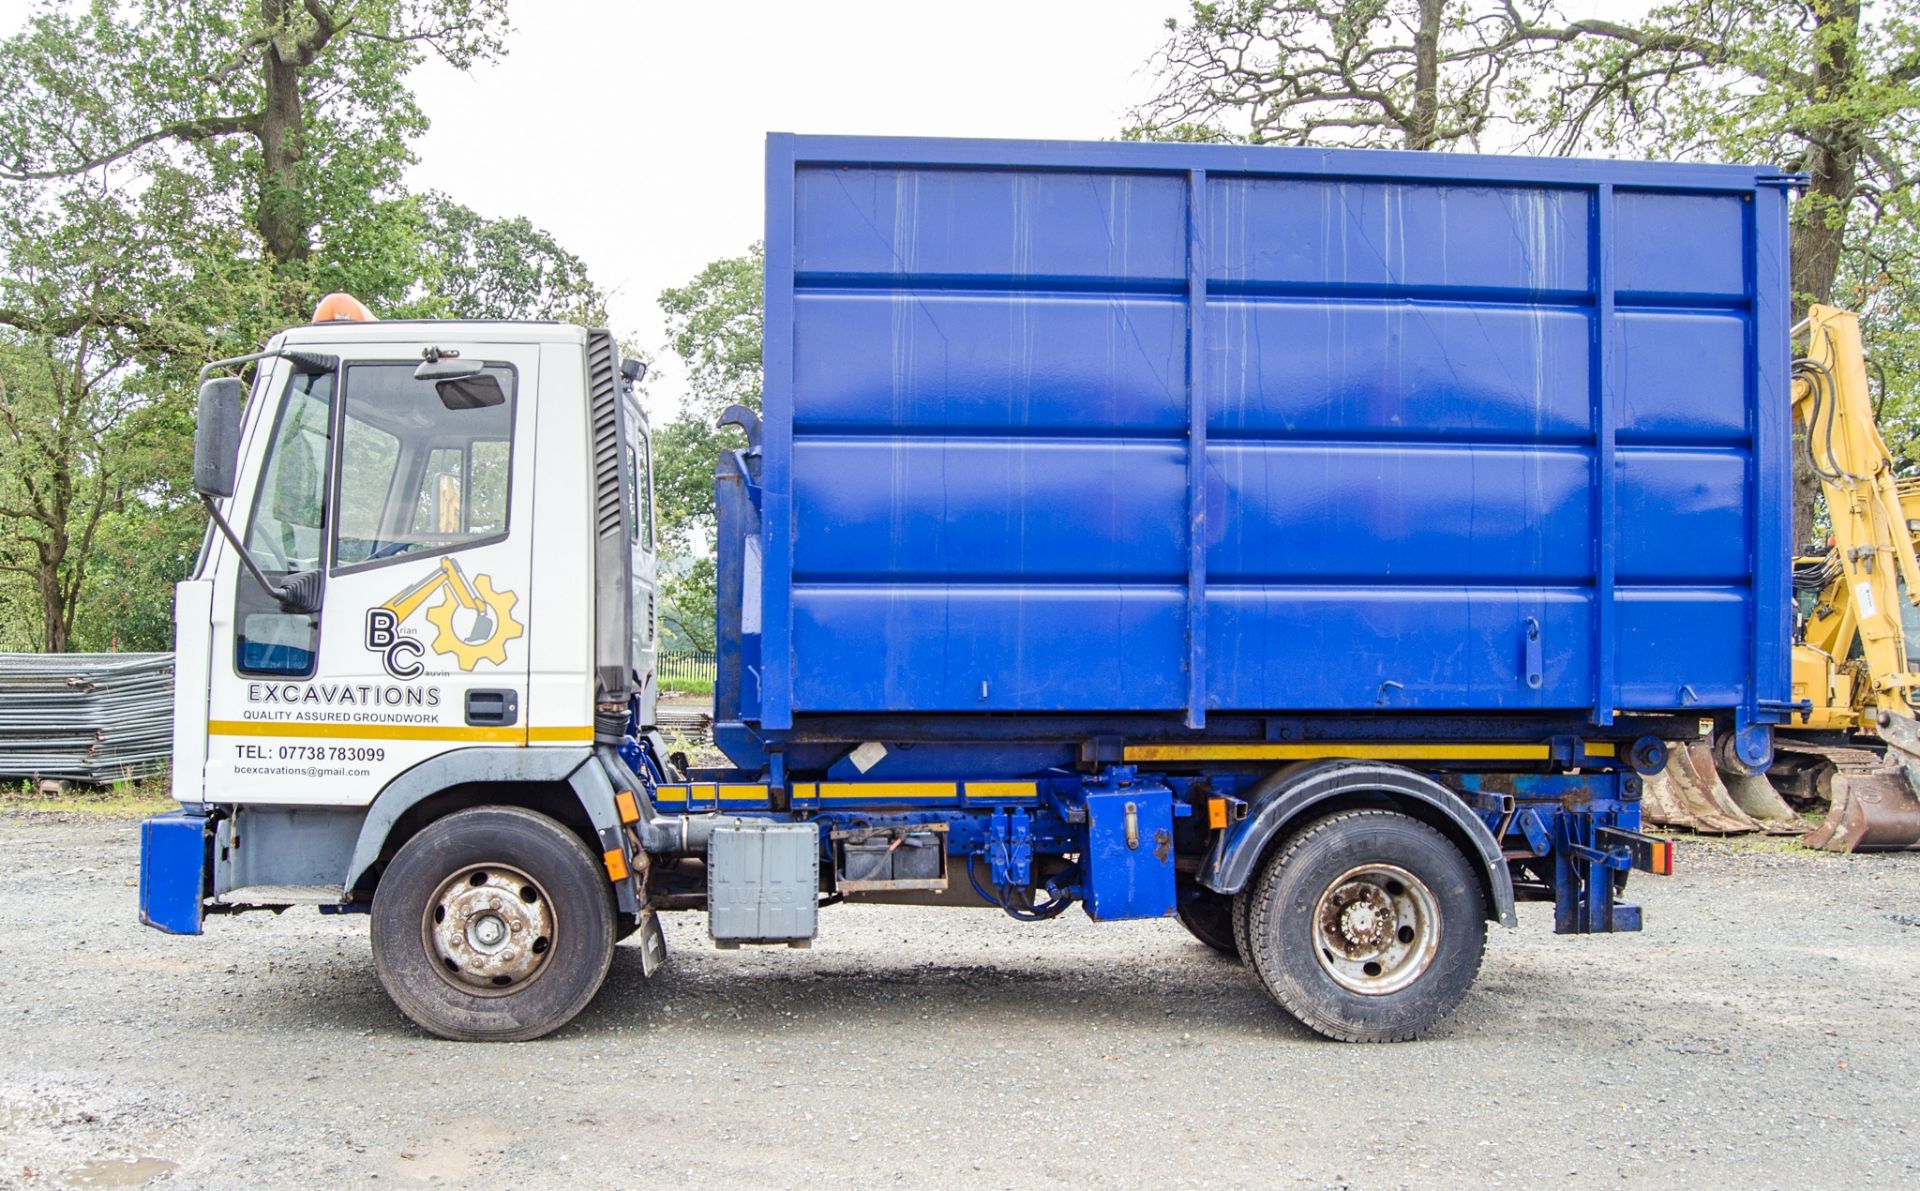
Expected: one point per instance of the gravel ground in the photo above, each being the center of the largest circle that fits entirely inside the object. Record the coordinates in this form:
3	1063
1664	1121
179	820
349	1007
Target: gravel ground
1764	1031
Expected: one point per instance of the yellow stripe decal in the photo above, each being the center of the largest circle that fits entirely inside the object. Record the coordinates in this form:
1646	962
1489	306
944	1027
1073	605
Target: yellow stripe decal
561	735
1002	790
743	794
1360	752
307	731
675	794
846	790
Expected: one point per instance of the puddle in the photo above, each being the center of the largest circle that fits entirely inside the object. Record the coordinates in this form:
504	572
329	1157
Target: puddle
118	1172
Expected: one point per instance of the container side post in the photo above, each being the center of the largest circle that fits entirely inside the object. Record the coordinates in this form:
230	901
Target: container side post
1606	482
776	685
1771	351
1196	450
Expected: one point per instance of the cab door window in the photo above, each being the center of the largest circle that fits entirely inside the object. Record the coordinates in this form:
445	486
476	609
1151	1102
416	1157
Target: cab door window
423	468
286	533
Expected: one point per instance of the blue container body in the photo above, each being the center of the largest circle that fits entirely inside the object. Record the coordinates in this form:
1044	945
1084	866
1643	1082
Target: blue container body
1089	429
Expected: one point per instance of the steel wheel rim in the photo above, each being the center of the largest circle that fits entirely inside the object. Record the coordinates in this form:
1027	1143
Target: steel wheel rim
489	929
1376	929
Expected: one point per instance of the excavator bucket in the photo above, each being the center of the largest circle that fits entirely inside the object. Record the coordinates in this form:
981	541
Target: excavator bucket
1689	794
1692	793
1756	796
1876	810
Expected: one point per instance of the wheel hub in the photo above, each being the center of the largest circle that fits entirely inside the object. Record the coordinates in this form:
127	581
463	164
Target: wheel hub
490	927
1376	929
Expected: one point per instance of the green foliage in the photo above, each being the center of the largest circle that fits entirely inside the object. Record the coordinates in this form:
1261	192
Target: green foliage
475	267
178	180
688	606
141	551
715	324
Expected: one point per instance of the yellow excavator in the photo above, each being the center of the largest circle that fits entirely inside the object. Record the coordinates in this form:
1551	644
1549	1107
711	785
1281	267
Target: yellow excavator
1858	749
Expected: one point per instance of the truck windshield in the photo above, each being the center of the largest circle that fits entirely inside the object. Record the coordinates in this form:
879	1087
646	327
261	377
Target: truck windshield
415	476
289	509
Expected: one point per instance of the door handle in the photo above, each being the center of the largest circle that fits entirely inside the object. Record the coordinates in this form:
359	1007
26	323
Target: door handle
495	708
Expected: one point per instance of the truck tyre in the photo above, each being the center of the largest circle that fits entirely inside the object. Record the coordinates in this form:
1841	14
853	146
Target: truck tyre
1367	926
1208	917
492	925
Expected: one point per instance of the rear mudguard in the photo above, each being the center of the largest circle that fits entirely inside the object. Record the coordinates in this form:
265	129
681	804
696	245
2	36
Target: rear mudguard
1289	798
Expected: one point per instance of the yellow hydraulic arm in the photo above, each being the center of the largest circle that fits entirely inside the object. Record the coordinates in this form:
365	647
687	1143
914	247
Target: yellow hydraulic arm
1872	543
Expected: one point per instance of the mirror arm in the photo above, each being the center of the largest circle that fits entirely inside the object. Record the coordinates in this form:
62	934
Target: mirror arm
282	593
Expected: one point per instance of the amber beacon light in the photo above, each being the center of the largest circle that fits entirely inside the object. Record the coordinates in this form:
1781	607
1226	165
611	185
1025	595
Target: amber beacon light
342	308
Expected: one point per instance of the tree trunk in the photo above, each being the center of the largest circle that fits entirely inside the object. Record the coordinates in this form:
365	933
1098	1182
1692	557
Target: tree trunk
282	216
1819	226
55	618
1422	128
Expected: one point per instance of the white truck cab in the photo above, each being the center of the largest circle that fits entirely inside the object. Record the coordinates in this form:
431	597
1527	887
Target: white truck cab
432	562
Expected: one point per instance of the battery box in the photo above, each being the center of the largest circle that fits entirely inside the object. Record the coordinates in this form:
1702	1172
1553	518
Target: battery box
763	883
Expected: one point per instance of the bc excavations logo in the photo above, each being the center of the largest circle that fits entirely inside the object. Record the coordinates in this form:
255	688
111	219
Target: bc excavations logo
473	623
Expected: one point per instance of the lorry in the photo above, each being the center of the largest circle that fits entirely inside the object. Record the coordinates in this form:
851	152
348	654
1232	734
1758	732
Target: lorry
1316	548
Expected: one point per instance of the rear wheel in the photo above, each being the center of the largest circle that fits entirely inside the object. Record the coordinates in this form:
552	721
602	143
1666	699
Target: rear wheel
1368	926
493	924
1208	917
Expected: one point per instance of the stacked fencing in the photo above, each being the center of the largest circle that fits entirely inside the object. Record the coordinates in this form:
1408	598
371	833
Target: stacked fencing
87	717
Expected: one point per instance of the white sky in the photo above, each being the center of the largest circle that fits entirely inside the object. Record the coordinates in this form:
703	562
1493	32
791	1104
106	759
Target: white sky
634	132
633	129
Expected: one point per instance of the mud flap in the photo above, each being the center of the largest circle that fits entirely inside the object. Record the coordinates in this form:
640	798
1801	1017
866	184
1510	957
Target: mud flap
653	942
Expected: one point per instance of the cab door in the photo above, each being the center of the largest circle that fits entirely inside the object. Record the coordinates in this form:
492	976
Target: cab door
405	491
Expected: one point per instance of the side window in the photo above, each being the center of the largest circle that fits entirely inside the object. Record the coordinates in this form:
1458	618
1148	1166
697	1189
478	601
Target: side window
424	467
640	492
286	531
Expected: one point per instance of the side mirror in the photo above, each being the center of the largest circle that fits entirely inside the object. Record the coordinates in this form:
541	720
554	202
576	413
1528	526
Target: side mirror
216	436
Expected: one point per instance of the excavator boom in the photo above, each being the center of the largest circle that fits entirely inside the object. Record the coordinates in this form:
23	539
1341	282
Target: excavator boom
1858	747
1853	656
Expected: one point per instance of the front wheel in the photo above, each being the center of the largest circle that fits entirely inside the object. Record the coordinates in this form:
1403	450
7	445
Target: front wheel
1368	926
493	924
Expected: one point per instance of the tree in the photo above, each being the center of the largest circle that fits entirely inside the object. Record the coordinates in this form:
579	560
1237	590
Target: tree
715	323
81	298
178	180
475	267
297	110
1411	74
1828	88
73	436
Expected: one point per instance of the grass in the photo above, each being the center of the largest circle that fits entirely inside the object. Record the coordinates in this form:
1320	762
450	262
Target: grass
124	799
686	673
